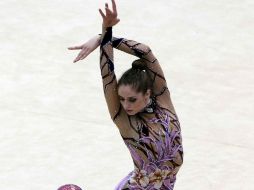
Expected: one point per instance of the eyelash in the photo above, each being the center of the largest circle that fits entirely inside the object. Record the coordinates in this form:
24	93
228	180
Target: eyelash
130	100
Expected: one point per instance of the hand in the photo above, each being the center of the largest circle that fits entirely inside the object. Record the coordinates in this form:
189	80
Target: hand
86	48
110	19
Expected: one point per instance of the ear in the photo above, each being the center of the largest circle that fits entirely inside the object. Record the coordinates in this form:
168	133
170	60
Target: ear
148	93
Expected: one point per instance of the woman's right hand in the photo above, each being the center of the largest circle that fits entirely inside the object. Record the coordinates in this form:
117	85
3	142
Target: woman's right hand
110	18
86	48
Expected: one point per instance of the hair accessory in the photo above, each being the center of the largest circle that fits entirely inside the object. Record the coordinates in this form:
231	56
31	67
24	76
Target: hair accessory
150	107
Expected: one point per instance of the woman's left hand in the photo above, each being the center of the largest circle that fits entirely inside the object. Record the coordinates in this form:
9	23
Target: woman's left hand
86	48
110	18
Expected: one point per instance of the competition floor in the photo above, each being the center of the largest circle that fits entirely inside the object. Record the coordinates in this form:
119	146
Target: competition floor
54	124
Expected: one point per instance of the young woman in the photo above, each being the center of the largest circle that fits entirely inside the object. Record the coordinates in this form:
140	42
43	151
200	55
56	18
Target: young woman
139	104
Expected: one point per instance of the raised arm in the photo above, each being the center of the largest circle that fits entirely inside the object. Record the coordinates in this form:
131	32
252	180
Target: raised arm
107	42
107	69
108	74
104	40
147	57
140	50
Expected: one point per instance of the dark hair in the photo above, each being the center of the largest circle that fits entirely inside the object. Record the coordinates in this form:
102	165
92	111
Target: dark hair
137	77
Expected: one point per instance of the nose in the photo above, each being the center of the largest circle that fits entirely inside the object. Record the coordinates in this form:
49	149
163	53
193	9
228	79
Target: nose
126	105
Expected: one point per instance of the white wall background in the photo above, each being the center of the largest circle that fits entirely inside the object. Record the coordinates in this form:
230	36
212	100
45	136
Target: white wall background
54	124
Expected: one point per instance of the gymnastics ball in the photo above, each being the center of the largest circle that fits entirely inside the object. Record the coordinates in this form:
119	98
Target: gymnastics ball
69	187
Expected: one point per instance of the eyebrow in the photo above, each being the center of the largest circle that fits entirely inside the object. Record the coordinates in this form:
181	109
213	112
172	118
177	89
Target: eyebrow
128	97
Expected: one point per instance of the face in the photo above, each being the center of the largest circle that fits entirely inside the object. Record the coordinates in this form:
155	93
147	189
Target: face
132	101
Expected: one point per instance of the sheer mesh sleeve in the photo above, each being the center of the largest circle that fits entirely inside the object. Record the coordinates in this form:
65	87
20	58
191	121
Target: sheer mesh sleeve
108	74
160	90
118	115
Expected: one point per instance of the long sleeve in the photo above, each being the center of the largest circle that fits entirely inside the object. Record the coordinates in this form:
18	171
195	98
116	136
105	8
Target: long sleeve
144	52
155	145
108	75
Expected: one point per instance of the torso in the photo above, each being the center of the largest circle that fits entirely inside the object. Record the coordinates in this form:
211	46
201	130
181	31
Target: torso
154	141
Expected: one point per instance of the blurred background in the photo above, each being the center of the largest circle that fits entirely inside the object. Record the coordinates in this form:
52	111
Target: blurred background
54	124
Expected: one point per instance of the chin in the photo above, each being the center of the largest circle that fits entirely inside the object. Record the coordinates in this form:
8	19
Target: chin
131	113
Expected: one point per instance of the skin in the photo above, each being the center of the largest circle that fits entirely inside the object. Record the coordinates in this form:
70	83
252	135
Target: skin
132	101
109	19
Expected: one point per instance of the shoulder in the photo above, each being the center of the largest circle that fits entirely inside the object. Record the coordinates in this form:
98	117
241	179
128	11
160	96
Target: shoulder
164	100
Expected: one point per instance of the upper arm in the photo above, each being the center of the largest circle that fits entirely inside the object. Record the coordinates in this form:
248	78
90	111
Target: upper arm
160	89
109	79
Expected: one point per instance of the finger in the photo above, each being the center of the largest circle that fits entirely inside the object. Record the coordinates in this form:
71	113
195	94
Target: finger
76	60
102	14
84	56
75	47
78	57
118	20
106	5
114	6
108	11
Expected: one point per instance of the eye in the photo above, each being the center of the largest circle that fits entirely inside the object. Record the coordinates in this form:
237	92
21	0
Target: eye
121	99
132	100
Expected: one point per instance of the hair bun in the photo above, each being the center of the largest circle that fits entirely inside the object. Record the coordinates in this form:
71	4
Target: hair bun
139	64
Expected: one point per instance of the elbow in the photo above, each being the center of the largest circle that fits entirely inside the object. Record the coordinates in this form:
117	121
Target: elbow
146	49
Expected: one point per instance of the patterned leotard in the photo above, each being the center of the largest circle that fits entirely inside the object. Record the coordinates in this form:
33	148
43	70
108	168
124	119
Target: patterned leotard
153	136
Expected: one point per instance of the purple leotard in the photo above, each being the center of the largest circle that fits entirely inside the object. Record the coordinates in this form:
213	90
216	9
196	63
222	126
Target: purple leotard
153	136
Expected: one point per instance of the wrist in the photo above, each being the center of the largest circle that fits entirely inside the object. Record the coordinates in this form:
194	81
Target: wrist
106	28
